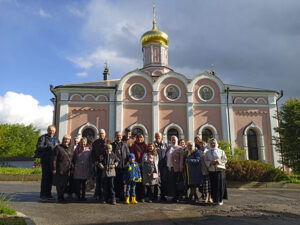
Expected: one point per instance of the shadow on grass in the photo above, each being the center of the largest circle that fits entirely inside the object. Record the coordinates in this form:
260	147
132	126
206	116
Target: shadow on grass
12	221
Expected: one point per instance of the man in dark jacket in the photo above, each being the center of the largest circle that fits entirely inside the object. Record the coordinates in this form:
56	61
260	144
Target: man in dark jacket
62	165
162	165
45	146
98	148
121	150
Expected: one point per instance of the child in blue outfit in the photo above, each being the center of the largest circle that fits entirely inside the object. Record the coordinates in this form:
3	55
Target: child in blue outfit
132	175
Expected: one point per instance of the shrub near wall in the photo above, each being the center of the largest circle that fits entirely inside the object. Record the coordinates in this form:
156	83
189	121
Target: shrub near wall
248	170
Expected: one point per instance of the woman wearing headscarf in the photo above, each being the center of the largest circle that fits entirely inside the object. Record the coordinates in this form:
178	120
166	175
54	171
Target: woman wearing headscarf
192	169
172	175
215	160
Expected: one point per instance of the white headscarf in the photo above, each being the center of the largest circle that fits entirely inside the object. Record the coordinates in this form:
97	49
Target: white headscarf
213	150
172	148
176	143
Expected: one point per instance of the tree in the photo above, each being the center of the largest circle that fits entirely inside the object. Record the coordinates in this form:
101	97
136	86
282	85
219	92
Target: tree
289	132
18	140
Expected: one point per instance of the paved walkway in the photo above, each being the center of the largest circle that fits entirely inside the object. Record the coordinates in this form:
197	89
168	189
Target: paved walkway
245	207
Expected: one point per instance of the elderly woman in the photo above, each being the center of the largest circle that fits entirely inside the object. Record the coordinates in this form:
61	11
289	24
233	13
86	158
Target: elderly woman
215	160
192	169
62	164
82	167
172	175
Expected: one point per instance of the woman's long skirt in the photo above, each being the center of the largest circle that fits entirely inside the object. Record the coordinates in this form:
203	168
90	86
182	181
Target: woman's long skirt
218	186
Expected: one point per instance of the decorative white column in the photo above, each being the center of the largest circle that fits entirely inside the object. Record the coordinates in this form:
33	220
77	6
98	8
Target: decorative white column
155	113
112	115
63	119
274	124
119	111
224	117
190	116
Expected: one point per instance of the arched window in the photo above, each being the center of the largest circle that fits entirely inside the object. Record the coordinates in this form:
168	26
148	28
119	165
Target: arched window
89	133
172	132
252	145
207	134
136	131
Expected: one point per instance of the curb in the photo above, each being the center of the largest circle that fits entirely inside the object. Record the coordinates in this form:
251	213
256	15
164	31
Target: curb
27	220
20	177
253	184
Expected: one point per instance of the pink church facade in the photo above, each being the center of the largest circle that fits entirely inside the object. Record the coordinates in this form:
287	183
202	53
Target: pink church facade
157	99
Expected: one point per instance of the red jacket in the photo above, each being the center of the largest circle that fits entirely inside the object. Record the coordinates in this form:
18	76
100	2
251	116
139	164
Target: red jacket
137	152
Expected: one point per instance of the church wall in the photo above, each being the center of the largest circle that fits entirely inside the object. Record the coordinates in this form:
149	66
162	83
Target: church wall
243	116
136	79
216	99
81	114
167	81
204	114
172	114
138	113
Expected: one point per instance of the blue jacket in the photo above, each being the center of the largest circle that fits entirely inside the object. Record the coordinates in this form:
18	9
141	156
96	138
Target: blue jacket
192	168
132	173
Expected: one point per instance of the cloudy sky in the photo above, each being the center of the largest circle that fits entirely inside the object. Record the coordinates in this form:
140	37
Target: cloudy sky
251	42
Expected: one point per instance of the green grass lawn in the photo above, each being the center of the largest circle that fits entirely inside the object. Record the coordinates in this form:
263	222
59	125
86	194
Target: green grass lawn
13	170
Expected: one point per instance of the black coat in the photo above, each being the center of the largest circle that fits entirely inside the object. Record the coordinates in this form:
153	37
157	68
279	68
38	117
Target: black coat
97	149
121	150
45	148
62	159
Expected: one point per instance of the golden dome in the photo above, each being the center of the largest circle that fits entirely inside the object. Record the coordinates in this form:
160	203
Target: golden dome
154	35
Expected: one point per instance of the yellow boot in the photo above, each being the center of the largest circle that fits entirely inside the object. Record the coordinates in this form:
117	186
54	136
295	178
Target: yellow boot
127	200
133	201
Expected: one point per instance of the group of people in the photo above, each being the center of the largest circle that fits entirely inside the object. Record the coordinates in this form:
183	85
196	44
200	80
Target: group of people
129	170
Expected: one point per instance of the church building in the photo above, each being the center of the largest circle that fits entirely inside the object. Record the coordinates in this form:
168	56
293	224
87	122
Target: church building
156	98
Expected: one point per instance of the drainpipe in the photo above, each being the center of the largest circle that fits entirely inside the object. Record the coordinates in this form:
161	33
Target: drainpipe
278	119
228	118
55	104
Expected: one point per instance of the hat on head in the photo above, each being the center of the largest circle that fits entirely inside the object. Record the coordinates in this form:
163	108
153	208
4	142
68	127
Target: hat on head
131	155
127	129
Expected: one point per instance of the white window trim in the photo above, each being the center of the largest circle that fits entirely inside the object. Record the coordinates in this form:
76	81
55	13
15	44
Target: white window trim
88	125
168	127
137	99
143	127
260	139
198	92
210	127
165	94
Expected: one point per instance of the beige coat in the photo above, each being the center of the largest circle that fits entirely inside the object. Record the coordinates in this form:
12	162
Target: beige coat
177	160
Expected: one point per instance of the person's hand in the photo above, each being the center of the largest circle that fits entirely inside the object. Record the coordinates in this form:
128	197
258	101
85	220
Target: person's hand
112	166
54	172
213	162
101	166
180	170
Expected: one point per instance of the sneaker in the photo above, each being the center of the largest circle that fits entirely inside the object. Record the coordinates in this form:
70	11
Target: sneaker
114	202
220	203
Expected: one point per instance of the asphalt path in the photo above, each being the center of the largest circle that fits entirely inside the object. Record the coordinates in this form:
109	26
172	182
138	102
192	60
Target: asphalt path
244	207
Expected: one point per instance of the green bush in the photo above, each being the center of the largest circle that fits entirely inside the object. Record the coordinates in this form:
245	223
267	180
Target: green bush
238	153
5	209
12	170
248	170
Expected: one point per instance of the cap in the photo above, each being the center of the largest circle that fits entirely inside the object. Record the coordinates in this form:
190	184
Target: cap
131	155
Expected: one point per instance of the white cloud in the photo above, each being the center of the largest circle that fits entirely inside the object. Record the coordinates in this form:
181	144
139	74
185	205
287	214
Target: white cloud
44	14
21	108
74	11
82	74
101	55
